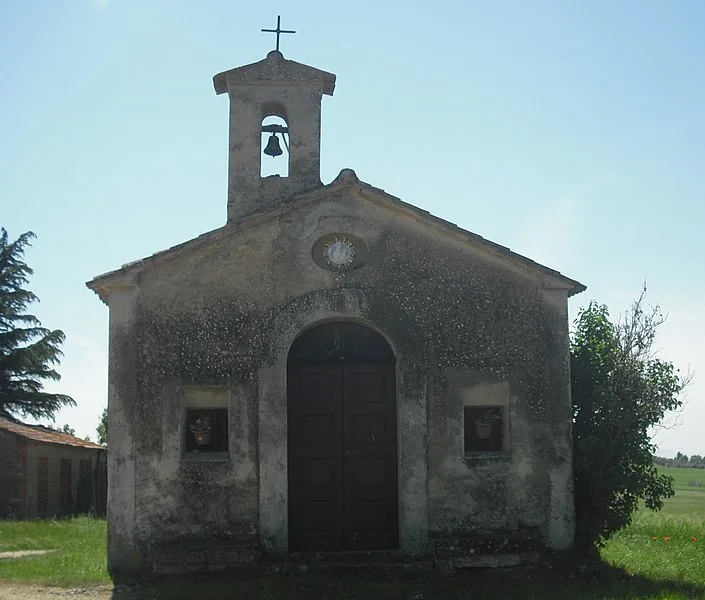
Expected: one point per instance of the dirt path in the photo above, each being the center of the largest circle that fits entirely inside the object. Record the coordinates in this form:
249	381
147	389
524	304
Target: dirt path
23	553
11	591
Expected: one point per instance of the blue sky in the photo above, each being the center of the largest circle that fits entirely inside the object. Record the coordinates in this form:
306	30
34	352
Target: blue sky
571	132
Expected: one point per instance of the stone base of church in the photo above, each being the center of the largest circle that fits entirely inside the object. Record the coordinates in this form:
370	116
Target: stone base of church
200	556
487	561
373	561
484	551
245	556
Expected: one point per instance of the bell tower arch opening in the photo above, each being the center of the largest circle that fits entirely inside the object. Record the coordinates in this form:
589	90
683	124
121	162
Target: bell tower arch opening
274	160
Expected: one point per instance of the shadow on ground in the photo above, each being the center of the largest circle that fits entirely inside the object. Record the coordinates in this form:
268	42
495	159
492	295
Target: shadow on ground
598	581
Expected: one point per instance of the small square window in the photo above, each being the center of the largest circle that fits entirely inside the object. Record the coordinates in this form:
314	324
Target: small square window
206	430
484	429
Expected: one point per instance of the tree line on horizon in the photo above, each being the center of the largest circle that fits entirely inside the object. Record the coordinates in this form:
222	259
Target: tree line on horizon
695	461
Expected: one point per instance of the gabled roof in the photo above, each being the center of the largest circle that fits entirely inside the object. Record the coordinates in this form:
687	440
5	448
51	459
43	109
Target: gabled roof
346	179
38	433
275	69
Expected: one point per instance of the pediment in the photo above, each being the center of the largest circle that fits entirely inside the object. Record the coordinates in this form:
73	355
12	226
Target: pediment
346	190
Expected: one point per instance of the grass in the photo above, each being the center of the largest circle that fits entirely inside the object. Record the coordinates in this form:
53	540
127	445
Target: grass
79	558
655	558
669	544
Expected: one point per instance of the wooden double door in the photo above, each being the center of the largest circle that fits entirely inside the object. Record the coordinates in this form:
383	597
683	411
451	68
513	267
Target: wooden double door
342	463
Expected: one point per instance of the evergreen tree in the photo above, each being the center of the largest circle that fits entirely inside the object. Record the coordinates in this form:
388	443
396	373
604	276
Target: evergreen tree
102	428
28	351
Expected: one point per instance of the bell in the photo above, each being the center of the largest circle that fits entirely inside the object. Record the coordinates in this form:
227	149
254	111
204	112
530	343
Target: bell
273	148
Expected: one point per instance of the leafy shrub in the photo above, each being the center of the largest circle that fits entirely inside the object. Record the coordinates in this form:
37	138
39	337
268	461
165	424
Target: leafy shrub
619	390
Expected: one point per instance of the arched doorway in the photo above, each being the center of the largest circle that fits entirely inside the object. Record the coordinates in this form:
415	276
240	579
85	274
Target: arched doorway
342	446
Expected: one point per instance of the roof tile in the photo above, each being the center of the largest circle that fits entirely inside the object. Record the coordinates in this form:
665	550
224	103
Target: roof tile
39	433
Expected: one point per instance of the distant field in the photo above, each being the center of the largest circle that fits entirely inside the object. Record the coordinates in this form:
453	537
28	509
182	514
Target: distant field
690	491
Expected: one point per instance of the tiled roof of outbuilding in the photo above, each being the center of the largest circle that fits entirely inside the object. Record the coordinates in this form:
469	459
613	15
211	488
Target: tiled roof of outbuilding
38	433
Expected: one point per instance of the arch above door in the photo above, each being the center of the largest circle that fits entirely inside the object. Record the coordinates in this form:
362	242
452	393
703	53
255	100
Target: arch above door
341	341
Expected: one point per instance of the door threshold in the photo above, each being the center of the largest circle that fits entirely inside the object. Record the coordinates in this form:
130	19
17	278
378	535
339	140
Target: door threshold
347	556
351	561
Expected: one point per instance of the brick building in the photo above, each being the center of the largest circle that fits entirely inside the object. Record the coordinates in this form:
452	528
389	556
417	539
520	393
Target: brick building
46	473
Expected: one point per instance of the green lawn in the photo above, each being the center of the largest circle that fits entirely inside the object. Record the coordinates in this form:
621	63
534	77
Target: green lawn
661	556
79	558
669	544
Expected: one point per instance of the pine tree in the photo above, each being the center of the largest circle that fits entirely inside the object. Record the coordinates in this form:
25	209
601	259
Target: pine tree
102	428
28	351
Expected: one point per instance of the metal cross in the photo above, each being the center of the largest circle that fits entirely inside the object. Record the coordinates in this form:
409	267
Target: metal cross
278	30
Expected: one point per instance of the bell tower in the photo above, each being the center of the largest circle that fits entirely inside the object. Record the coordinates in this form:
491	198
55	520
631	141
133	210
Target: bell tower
273	87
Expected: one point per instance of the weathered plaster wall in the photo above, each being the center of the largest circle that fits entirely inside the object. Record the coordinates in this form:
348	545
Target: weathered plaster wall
123	399
225	315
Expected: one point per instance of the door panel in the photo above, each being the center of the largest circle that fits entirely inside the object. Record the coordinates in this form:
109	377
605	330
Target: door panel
370	457
342	458
315	456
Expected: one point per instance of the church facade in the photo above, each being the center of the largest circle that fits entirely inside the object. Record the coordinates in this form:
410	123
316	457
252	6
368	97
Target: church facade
334	372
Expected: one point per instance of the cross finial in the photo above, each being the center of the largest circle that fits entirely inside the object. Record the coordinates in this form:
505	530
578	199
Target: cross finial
278	30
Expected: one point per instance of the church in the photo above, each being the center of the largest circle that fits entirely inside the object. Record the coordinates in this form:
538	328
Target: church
334	374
